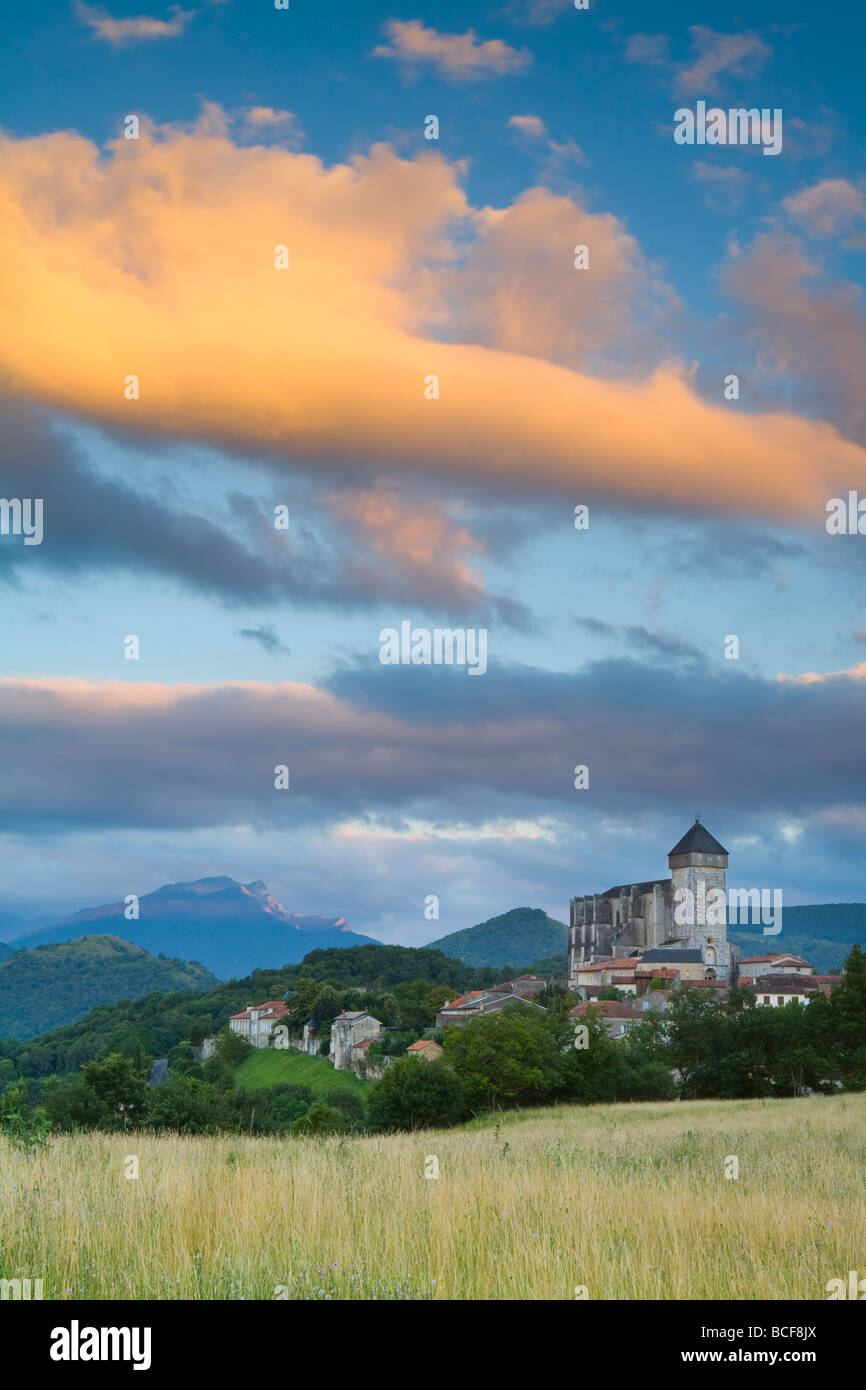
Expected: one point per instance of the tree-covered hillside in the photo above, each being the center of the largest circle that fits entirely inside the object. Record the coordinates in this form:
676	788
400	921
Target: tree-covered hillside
386	966
514	938
151	1026
823	933
50	986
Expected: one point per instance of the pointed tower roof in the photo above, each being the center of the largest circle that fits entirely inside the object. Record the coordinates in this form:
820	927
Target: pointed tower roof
698	840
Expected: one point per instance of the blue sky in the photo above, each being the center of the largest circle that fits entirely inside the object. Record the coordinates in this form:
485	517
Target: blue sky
606	646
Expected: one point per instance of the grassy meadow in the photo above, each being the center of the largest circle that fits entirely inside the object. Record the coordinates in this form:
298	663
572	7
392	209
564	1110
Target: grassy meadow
273	1066
629	1201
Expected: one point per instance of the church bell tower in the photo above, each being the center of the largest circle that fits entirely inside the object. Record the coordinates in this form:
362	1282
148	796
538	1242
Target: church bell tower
698	865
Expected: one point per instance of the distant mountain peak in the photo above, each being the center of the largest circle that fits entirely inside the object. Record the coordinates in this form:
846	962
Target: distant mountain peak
231	927
266	900
217	883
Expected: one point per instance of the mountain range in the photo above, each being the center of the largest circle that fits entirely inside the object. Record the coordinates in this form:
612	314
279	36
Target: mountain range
231	928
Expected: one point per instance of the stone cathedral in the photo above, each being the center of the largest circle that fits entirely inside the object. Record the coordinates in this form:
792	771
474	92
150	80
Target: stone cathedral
682	915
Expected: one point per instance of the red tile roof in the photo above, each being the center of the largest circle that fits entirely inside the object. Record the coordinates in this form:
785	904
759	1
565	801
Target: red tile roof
785	984
614	964
756	960
274	1008
611	1008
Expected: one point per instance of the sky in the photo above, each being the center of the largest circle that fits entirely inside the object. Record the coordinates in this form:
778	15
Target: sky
239	275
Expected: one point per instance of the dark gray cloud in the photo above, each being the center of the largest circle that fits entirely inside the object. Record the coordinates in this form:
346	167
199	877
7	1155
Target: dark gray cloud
267	637
96	524
657	646
428	741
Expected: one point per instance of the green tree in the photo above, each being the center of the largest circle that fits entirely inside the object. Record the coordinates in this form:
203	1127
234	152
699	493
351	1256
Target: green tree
283	1105
184	1104
182	1059
352	1106
436	999
416	1094
119	1084
847	1021
71	1104
321	1118
326	1007
300	1004
515	1057
18	1121
230	1049
592	1072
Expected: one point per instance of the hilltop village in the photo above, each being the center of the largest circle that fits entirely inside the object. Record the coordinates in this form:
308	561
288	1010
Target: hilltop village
651	1002
629	950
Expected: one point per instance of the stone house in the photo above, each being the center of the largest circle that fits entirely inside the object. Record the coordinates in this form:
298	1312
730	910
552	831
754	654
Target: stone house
462	1010
617	1018
776	990
775	965
255	1022
527	986
425	1047
347	1030
312	1038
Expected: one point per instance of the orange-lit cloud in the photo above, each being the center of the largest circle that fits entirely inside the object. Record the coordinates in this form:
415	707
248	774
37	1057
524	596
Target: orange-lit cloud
808	326
157	259
284	123
528	125
118	32
716	57
853	673
516	288
421	543
828	208
459	57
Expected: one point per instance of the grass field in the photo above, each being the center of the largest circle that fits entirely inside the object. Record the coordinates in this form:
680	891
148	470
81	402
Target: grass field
270	1066
629	1201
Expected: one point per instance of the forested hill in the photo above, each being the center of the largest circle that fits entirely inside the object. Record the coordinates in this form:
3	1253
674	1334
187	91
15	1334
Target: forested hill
515	937
149	1027
50	986
823	933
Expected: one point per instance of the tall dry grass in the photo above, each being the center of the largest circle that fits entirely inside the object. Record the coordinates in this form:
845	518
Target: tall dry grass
629	1201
